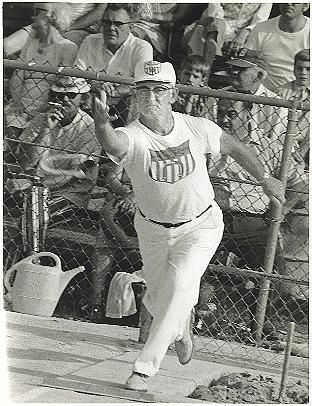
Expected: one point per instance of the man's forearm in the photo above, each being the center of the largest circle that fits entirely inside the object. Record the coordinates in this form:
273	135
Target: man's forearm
271	186
248	161
91	18
113	142
106	135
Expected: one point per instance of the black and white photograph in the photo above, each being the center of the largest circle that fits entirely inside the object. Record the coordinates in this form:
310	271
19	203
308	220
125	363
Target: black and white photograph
155	202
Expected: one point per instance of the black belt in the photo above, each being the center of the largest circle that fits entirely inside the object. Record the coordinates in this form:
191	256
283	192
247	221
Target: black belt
169	225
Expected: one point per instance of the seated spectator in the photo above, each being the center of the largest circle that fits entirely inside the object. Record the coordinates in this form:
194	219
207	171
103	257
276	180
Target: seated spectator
194	72
45	46
247	76
300	88
243	194
156	22
60	147
278	40
114	51
223	24
74	21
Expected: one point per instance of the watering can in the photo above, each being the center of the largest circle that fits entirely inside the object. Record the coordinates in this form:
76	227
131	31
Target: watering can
37	288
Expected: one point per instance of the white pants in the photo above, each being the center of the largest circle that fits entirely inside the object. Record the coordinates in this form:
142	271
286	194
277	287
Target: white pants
174	260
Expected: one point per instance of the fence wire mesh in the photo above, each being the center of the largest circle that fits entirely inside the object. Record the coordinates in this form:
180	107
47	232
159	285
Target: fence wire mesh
63	195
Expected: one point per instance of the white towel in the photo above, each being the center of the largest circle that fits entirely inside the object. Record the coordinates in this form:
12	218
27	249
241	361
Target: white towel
120	299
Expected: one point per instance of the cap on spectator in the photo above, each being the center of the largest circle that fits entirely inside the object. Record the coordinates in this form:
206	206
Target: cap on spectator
71	84
248	62
155	71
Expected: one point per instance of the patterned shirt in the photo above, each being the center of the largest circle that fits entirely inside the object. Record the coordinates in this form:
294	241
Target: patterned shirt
171	170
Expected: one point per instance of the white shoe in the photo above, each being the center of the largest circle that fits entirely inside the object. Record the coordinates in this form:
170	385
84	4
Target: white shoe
184	347
137	382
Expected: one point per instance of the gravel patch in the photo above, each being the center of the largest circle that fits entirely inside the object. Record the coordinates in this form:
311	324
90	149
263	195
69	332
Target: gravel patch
248	388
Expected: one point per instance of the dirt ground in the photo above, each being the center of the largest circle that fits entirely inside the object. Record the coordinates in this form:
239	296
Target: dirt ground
247	388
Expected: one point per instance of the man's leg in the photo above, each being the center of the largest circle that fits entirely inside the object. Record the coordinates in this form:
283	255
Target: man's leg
175	260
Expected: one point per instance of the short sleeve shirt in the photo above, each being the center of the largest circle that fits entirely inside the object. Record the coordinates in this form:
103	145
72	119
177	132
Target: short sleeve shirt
95	56
280	48
168	173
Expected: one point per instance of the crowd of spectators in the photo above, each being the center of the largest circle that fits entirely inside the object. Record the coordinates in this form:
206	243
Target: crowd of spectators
263	56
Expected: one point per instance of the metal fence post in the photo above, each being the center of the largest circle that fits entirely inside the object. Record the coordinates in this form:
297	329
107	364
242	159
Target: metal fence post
275	225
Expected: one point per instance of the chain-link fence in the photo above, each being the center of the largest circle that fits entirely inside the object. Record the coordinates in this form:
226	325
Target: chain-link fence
63	195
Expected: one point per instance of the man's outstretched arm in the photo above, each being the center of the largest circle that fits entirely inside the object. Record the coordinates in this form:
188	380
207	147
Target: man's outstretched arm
272	187
113	142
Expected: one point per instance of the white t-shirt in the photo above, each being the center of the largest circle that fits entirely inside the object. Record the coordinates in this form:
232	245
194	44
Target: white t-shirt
168	173
94	55
280	47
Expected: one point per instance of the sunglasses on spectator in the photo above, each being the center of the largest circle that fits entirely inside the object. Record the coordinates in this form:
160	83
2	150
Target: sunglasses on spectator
157	90
61	95
117	24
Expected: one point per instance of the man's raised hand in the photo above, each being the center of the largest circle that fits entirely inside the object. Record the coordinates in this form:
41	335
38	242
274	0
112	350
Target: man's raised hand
274	189
54	115
100	107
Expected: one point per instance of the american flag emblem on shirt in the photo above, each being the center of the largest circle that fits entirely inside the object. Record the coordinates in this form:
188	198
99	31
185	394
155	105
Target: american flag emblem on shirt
172	164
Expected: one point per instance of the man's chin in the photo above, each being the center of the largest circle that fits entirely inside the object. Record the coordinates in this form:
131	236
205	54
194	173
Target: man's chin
303	83
152	109
111	40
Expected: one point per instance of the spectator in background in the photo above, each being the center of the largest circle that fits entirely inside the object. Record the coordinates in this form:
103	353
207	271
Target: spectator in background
74	21
194	72
300	88
243	193
60	146
156	23
247	76
45	46
114	51
223	24
278	40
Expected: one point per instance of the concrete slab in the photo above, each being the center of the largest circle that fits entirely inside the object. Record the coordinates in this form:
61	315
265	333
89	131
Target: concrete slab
114	372
54	395
64	361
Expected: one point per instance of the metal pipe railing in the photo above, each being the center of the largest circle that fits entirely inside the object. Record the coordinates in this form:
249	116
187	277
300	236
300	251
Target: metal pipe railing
101	76
277	216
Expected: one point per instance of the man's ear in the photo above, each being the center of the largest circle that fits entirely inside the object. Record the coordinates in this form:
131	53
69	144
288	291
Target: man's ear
174	95
261	75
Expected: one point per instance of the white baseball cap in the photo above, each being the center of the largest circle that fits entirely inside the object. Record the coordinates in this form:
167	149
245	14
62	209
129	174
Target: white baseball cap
155	71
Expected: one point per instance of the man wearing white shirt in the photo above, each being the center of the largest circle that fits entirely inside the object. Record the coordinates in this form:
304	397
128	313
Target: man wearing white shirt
178	223
115	51
248	76
279	39
263	128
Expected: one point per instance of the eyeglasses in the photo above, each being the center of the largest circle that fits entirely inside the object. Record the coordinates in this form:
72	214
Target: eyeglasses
117	24
38	11
60	95
157	90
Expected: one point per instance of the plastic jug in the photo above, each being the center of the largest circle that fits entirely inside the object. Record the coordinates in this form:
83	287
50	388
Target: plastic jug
37	288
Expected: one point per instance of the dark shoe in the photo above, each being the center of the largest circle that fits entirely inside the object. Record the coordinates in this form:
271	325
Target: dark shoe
137	382
184	347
